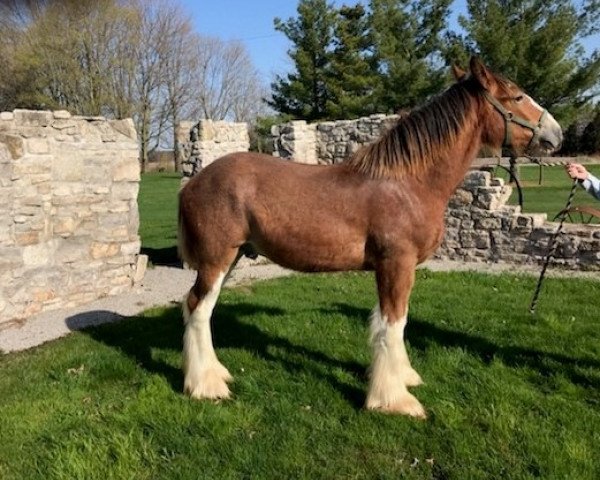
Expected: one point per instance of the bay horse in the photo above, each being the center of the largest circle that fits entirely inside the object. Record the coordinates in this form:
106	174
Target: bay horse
382	209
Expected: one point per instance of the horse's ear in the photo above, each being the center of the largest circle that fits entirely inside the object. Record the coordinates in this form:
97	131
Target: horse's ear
459	73
481	73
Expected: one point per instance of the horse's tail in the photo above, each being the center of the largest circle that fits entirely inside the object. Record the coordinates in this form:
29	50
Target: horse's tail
184	249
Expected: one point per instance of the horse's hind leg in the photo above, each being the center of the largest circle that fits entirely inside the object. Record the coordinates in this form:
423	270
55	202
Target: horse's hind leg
391	371
204	375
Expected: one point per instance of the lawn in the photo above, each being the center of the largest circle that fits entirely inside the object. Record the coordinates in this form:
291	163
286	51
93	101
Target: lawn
157	203
509	395
551	196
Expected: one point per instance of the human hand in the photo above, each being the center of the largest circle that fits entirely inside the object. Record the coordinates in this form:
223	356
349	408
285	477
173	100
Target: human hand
577	171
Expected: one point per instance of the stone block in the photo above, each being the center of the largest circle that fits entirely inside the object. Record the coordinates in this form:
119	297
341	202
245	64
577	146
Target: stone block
33	118
522	224
140	268
467	239
130	248
126	171
489	223
482	240
125	191
37	146
119	206
61	114
39	255
476	179
538	219
461	198
10	258
66	127
27	238
125	127
103	250
64	226
67	169
73	249
14	143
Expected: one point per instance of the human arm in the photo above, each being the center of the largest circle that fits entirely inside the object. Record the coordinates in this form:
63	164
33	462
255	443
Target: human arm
589	182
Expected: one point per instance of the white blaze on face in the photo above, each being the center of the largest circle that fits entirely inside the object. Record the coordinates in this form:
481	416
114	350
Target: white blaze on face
551	130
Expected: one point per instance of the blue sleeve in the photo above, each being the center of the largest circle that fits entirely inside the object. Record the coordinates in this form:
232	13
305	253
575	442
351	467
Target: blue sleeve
592	185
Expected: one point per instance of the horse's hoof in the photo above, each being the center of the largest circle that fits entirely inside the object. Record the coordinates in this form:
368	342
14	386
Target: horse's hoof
211	385
406	405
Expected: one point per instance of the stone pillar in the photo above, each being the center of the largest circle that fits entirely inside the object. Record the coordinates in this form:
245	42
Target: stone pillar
295	141
68	210
209	140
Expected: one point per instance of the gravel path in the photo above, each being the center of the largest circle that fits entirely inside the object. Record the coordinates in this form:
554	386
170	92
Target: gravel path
164	285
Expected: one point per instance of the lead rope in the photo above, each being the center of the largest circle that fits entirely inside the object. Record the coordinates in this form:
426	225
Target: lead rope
552	247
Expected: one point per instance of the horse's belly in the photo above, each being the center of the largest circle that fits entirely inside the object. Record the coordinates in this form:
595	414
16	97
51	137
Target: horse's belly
312	252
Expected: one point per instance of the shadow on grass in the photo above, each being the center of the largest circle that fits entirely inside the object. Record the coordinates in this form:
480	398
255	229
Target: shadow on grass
162	256
138	337
421	334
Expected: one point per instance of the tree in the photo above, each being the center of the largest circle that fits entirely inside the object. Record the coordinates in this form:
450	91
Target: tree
122	59
352	76
408	47
537	43
304	92
590	139
228	85
71	70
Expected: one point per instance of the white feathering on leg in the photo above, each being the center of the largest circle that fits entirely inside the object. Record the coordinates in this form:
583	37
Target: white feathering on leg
387	388
205	376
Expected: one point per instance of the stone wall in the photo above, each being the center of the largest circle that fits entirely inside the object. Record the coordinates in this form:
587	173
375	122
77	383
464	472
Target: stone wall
208	140
68	210
327	142
480	227
295	141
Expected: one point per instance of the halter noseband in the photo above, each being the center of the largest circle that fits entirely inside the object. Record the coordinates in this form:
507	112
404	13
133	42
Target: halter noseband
509	118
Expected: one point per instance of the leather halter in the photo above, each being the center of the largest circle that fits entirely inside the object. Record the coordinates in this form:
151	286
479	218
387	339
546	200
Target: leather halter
509	118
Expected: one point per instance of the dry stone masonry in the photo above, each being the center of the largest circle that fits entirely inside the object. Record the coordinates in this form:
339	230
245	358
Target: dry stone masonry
202	143
480	227
327	142
68	210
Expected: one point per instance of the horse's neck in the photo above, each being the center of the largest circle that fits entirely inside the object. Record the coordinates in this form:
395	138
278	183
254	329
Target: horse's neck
448	171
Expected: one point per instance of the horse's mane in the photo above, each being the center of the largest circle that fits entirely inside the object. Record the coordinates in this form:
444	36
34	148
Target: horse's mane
412	145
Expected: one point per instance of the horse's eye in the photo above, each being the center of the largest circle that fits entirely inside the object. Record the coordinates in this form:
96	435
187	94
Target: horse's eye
519	98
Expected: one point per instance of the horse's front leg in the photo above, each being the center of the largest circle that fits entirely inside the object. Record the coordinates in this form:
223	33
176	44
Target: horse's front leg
204	375
391	372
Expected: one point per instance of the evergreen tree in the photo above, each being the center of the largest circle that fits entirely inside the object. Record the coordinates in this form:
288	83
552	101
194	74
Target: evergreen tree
408	45
353	78
537	44
590	139
304	93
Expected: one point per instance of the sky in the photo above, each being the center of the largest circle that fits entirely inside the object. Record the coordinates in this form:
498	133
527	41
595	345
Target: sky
251	22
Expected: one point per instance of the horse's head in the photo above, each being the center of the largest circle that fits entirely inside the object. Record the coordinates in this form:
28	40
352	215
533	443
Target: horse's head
513	119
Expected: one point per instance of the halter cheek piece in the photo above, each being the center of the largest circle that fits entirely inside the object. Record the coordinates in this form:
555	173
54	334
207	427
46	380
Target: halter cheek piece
509	118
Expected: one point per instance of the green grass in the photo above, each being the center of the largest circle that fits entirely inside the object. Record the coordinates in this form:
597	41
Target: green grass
158	216
551	196
509	395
